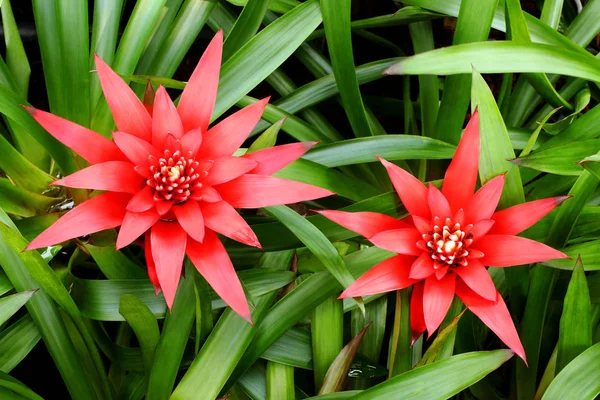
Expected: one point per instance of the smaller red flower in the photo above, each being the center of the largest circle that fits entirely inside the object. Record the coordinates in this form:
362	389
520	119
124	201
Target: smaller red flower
169	177
448	240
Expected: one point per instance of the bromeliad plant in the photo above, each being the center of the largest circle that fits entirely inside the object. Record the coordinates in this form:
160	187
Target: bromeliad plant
145	247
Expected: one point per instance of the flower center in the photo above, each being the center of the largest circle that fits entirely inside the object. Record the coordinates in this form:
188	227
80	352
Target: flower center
175	177
448	243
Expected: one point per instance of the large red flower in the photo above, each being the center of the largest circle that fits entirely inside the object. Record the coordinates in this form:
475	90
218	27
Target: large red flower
170	177
448	240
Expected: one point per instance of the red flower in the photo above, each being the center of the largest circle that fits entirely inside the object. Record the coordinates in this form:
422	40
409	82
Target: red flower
168	176
447	241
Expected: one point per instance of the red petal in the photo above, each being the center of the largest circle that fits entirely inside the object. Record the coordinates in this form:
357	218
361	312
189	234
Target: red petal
422	267
115	176
438	205
141	201
134	225
275	158
210	194
190	218
508	250
228	168
255	191
483	203
150	264
423	225
78	138
481	228
136	149
191	141
391	274
228	135
198	97
412	191
129	113
516	219
494	314
364	223
163	207
478	279
401	241
437	297
461	175
165	119
213	263
417	319
223	219
97	214
168	249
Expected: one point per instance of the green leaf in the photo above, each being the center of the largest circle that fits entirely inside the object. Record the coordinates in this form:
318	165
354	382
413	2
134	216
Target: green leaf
338	371
264	53
327	329
143	324
473	25
23	203
10	383
316	242
280	381
390	147
562	159
534	136
48	320
114	264
279	6
337	396
204	318
22	171
245	26
16	341
588	252
500	57
336	20
578	380
435	347
450	377
16	58
293	348
267	139
575	334
9	305
581	102
496	148
376	313
400	352
172	342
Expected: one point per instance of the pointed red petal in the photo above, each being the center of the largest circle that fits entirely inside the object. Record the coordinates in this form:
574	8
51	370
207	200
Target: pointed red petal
136	149
507	250
422	267
213	263
438	205
97	214
412	191
401	241
481	228
163	207
134	225
210	195
483	203
364	223
494	314
228	135
141	201
198	97
223	219
516	219
115	176
150	263
168	249
191	141
423	225
417	319
190	218
228	168
255	191
437	297
478	279
275	158
78	138
461	175
165	119
129	113
391	274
